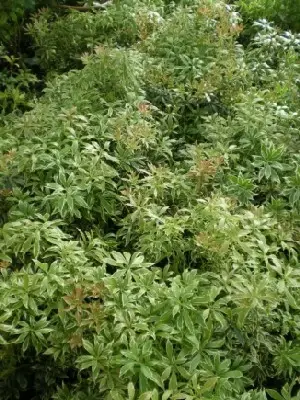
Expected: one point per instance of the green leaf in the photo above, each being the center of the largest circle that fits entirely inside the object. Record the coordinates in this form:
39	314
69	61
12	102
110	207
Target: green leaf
88	346
84	362
167	394
233	374
188	321
145	396
274	395
154	395
166	373
126	368
169	349
5	257
209	385
116	395
183	372
242	315
173	382
27	245
151	375
36	245
130	391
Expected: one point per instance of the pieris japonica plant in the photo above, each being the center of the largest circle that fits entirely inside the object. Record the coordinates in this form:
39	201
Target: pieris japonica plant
149	231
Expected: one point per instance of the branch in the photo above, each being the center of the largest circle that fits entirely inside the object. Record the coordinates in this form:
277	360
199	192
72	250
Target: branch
99	6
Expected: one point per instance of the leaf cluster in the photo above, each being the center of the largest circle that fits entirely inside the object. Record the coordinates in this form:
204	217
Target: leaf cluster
149	236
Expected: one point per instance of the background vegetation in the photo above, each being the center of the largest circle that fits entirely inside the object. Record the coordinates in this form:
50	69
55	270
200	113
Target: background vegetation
150	195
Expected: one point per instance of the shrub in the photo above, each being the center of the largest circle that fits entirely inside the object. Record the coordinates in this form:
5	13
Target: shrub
284	13
15	83
12	14
60	42
149	237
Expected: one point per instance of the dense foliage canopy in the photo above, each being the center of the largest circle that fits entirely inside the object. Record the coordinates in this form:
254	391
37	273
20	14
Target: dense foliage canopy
150	196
